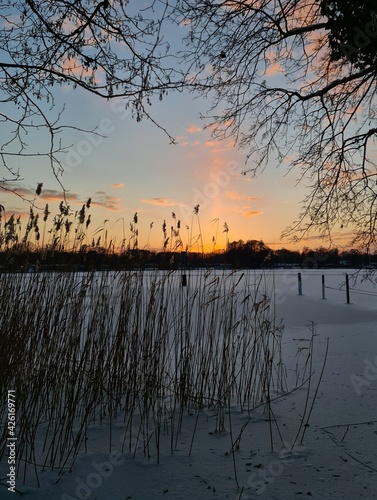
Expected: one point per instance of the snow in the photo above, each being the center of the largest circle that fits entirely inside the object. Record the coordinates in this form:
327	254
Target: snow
337	456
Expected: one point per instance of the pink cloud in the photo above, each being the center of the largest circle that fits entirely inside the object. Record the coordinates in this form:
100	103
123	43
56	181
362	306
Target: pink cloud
118	185
52	195
217	146
193	129
274	69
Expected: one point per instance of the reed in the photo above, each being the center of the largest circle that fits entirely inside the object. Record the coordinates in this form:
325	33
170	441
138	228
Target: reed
131	349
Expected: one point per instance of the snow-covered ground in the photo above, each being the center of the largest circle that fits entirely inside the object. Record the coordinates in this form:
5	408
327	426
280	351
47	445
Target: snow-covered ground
333	455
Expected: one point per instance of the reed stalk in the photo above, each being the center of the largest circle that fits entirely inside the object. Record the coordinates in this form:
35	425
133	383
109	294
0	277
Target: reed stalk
134	349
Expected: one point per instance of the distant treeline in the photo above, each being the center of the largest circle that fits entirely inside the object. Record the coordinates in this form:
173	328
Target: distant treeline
239	255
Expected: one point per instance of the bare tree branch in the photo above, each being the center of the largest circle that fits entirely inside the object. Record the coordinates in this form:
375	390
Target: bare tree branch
283	89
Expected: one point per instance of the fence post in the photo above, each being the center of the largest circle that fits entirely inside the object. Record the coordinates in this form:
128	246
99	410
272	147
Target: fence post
323	287
183	267
299	284
347	289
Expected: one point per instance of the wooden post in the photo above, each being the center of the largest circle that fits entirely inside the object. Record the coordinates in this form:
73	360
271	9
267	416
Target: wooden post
323	287
183	267
347	289
299	284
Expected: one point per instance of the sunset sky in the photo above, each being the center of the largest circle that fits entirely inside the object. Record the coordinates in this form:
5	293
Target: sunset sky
131	167
135	169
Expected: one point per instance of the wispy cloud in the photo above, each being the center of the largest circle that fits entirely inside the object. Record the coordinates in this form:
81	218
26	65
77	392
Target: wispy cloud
245	211
100	199
236	196
111	203
185	143
162	202
47	195
193	129
274	69
337	238
16	212
118	185
252	213
52	195
217	146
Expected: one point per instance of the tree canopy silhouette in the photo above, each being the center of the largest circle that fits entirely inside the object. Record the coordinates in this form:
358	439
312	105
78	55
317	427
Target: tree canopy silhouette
353	31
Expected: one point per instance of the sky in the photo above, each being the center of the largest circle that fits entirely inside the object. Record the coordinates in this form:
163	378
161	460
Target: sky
131	167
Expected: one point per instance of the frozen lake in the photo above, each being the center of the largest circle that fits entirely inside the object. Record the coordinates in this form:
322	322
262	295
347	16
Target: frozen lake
334	459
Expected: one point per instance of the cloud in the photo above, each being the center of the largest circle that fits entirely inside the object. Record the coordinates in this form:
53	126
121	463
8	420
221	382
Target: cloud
47	195
274	69
188	143
21	191
53	195
73	66
100	199
337	238
111	203
185	22
118	185
162	202
236	196
193	129
217	146
252	213
245	211
16	212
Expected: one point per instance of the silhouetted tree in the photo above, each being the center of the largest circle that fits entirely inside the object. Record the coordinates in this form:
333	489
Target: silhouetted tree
252	253
284	86
353	31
